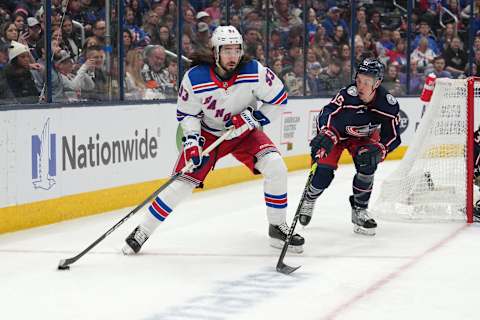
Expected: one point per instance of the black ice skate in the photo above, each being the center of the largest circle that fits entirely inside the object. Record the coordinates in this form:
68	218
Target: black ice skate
362	222
279	233
135	240
306	212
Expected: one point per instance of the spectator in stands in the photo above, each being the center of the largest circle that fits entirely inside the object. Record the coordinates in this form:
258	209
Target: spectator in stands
189	23
9	32
6	95
455	58
18	75
74	84
34	34
330	80
333	20
203	16
151	26
423	54
375	25
476	65
97	74
340	36
391	82
439	68
134	83
187	46
19	19
416	79
99	29
71	38
139	35
424	32
166	38
313	72
446	36
151	72
39	75
277	67
384	44
293	80
168	79
127	40
215	12
238	8
250	39
312	24
203	38
236	22
398	54
294	53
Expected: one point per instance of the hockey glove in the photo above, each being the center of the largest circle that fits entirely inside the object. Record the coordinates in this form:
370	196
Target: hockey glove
323	143
245	121
192	150
370	155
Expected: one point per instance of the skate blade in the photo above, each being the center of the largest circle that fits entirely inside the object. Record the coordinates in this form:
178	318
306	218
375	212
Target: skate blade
126	250
364	231
276	243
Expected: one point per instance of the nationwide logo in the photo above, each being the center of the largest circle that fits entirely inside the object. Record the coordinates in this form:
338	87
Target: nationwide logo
44	158
403	121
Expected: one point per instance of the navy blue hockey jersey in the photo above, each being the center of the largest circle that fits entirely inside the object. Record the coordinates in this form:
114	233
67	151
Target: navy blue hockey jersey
351	118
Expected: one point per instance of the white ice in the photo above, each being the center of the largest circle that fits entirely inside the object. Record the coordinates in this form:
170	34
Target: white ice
211	260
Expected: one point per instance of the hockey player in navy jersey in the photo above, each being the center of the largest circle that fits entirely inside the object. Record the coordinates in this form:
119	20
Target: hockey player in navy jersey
362	118
221	91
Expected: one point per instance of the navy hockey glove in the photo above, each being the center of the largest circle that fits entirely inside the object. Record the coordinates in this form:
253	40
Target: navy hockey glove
245	121
192	150
323	143
370	155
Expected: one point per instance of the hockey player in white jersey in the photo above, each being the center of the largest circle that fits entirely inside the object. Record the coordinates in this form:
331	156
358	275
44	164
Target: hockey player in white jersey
221	90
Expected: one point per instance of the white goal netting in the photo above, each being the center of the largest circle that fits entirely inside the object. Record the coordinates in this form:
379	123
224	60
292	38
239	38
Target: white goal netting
430	182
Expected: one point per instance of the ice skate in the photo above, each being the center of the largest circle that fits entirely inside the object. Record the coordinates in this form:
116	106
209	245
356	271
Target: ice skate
278	234
306	212
362	222
135	240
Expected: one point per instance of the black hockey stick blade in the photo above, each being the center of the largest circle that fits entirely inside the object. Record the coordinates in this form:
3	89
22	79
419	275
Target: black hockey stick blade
285	269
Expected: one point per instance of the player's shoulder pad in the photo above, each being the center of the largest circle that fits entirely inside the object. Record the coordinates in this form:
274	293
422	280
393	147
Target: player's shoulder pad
350	95
199	74
250	67
386	102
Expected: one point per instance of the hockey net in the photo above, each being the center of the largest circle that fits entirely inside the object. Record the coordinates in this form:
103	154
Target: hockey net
434	180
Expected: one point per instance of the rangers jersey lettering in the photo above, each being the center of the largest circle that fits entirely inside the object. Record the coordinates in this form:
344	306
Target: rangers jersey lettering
205	101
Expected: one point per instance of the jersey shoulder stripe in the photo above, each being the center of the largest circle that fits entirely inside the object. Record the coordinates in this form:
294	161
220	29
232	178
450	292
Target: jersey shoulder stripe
280	98
248	73
200	79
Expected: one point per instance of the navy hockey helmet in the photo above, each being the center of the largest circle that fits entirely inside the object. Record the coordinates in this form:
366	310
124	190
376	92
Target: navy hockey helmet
372	67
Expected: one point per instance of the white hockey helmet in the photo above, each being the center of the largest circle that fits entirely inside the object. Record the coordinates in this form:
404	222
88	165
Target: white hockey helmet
224	35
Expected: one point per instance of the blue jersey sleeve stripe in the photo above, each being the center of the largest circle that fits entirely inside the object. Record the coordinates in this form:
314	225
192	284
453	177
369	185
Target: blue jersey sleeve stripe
273	196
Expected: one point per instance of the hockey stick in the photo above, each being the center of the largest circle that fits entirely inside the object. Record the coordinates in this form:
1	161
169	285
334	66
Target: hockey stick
281	266
64	263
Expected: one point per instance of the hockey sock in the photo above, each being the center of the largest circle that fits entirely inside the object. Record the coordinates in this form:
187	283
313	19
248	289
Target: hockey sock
163	204
274	170
313	193
362	189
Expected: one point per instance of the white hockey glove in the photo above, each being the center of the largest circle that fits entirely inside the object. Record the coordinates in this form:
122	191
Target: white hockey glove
192	150
245	121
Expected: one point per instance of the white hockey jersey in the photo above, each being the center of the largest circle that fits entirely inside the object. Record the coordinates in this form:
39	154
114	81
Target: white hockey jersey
204	101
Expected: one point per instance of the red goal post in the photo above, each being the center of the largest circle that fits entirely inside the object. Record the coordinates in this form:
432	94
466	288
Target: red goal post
434	180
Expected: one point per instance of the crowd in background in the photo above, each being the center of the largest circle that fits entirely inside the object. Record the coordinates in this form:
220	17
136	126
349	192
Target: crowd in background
85	69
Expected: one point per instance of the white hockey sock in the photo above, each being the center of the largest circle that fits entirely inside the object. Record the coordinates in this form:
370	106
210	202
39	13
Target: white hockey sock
164	203
275	186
